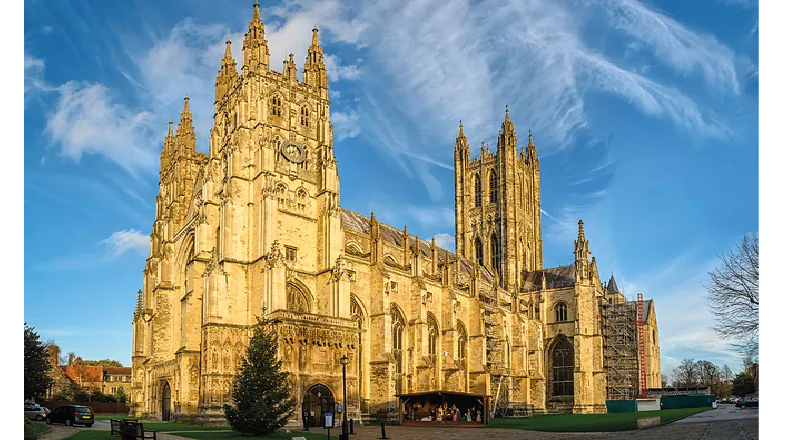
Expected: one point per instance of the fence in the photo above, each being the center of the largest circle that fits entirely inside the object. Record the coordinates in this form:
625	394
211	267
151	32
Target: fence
621	406
692	401
98	407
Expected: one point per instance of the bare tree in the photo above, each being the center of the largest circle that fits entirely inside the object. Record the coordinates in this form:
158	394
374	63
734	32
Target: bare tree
733	292
685	374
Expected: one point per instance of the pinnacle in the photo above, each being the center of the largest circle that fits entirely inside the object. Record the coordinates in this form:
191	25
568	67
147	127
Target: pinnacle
170	128
186	106
228	52
315	38
460	129
581	232
255	17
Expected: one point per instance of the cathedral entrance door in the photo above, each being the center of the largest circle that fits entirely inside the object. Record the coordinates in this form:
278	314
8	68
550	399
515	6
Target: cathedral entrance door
317	400
166	404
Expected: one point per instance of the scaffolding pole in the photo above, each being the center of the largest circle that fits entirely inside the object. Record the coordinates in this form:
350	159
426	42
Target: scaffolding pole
620	350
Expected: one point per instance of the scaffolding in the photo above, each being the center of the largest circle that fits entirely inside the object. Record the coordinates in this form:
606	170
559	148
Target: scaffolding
621	365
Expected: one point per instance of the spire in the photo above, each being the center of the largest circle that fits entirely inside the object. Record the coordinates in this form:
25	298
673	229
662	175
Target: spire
170	128
461	129
612	286
314	67
581	252
581	232
508	135
186	136
228	51
256	55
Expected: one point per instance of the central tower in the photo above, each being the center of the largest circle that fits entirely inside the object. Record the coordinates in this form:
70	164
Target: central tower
498	206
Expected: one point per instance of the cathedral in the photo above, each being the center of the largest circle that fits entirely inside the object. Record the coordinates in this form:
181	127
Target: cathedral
255	226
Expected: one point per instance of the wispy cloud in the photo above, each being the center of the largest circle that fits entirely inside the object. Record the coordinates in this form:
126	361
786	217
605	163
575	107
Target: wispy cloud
346	124
122	241
445	241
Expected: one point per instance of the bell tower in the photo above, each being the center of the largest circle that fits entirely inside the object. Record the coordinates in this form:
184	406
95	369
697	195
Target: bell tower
498	206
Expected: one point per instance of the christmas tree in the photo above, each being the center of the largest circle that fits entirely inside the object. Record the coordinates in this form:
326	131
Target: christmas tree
262	398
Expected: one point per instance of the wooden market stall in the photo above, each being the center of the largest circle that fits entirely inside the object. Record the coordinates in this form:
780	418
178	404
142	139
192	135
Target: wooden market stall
443	408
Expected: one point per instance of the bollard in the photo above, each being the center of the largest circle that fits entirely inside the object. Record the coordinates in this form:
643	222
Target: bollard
383	431
350	431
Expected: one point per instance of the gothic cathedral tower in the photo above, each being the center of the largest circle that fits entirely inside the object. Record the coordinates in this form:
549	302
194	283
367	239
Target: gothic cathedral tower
498	206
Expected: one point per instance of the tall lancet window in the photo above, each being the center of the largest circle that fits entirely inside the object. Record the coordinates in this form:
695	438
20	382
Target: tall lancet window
478	251
478	190
495	253
493	187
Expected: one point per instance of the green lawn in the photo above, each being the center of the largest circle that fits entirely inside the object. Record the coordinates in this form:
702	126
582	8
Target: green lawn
118	417
592	422
41	428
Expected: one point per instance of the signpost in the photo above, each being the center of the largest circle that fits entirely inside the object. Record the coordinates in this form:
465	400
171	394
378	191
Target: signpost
328	423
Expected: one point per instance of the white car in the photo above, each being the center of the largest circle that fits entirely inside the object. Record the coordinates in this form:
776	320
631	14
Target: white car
36	412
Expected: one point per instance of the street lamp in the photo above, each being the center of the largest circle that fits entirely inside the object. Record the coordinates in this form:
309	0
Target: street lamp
344	435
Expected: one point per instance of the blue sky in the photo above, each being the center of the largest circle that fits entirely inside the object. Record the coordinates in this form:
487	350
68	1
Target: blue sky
645	115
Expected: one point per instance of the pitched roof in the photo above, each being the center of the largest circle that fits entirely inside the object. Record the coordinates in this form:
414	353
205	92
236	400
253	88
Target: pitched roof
119	370
646	309
612	287
557	277
356	222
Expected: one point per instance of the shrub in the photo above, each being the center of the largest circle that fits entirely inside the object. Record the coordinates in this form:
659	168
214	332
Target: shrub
30	430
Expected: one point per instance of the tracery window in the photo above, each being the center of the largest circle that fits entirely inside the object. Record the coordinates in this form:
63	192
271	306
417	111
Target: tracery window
478	190
276	106
561	312
563	368
296	300
493	187
478	251
433	335
281	190
397	346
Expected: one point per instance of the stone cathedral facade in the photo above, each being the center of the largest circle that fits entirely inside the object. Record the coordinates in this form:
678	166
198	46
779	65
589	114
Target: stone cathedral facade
257	225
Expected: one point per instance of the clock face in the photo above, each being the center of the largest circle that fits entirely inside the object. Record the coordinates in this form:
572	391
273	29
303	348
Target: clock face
294	152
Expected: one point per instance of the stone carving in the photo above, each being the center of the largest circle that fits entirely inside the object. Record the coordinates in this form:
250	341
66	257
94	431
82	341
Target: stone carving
275	256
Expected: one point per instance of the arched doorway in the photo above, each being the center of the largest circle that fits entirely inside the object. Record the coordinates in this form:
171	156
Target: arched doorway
166	404
317	400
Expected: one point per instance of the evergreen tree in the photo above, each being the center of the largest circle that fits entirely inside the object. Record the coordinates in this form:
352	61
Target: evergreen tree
37	365
260	392
743	385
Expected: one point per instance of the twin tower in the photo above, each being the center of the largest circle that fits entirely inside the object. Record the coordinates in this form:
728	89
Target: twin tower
498	206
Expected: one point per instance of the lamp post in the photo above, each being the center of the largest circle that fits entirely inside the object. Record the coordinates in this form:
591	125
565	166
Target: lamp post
344	436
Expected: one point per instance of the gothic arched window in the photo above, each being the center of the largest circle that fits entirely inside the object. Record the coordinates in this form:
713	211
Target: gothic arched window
398	324
296	300
433	335
495	253
561	312
276	144
462	341
562	368
304	116
276	106
478	190
493	187
478	251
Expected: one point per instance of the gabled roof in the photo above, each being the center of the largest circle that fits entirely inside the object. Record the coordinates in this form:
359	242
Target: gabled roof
557	277
119	370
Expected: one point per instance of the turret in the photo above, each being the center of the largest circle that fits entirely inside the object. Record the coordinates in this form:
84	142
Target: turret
581	254
314	68
227	75
289	70
169	145
186	136
256	55
461	160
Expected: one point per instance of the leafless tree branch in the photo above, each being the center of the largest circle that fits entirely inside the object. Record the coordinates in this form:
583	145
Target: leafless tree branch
733	293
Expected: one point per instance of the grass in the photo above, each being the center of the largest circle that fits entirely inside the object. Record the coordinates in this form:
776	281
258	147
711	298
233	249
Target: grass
592	422
115	417
41	428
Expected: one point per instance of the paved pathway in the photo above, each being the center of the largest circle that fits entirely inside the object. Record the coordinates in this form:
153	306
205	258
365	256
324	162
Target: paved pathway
725	423
58	432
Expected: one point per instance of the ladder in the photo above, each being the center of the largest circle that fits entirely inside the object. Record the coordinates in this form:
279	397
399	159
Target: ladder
641	347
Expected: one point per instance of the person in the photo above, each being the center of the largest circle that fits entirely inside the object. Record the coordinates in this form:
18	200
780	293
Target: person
478	419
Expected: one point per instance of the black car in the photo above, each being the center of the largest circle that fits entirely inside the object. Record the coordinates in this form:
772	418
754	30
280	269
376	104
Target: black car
72	415
747	402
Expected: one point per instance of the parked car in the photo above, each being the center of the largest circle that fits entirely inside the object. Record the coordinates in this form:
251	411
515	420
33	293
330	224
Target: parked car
71	415
747	402
36	412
